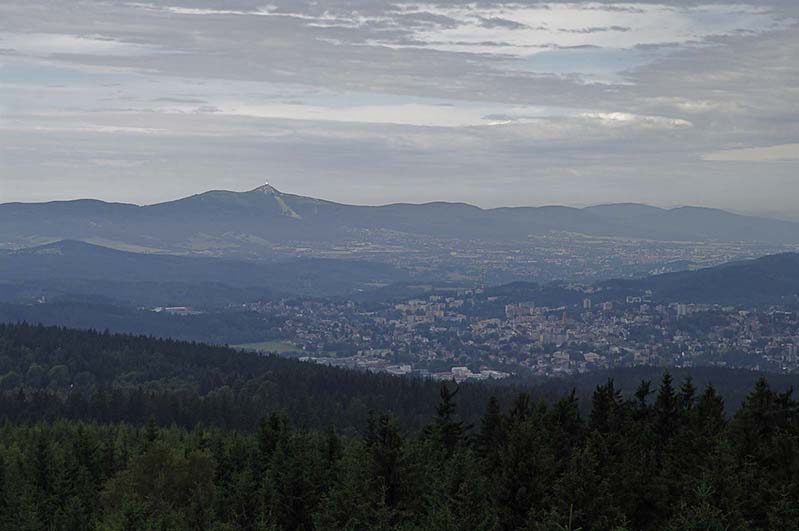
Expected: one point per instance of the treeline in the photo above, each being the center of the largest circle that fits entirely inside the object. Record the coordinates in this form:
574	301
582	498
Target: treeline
732	385
771	279
663	460
102	431
47	373
221	327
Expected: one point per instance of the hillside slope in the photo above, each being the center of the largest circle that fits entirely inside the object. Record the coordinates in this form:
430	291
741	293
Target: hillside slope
73	267
770	279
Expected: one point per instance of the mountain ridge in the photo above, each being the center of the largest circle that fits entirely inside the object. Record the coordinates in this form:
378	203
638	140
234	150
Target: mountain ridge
268	189
254	222
771	279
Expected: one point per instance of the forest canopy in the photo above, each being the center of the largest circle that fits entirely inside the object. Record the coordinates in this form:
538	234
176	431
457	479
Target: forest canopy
170	448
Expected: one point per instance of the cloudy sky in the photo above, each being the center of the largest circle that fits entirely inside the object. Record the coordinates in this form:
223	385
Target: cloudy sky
667	102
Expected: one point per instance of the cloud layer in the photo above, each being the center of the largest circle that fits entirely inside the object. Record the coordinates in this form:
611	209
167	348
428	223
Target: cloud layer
670	102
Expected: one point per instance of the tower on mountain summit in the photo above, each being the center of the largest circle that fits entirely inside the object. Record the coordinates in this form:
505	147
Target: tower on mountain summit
267	189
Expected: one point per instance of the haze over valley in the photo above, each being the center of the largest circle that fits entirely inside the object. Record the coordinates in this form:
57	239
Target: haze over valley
439	241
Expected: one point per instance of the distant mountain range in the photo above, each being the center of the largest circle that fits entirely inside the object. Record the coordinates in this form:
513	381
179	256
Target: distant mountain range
254	223
771	279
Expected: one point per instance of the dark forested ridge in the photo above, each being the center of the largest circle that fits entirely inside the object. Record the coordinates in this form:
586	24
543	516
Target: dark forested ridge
50	373
219	328
667	459
772	279
104	431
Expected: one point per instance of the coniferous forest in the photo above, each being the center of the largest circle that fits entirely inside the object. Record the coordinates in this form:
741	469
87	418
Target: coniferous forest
118	432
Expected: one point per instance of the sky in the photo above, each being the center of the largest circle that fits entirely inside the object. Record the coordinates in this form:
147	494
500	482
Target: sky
668	102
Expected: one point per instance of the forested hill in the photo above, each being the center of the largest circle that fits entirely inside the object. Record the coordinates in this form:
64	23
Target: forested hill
772	279
84	374
665	458
218	328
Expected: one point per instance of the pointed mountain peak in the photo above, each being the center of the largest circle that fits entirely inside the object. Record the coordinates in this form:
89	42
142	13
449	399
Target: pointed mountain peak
267	189
273	192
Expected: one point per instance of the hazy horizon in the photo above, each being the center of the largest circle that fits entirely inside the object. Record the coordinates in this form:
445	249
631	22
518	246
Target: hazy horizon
773	215
669	103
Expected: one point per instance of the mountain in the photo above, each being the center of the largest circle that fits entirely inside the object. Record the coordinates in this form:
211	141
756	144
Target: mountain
770	279
697	224
255	223
74	267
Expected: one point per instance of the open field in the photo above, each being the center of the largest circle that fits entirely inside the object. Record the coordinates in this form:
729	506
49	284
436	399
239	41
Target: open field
277	347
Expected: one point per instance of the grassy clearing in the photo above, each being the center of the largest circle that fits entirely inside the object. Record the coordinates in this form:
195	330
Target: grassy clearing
278	347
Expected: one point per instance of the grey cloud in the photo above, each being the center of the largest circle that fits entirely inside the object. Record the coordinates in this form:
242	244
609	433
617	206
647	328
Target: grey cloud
499	22
596	29
737	90
425	18
178	100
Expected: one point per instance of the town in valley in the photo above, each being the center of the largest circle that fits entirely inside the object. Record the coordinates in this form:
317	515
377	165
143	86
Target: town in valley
493	333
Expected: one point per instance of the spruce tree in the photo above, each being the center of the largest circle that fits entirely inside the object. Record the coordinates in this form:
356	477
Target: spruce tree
493	429
449	429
